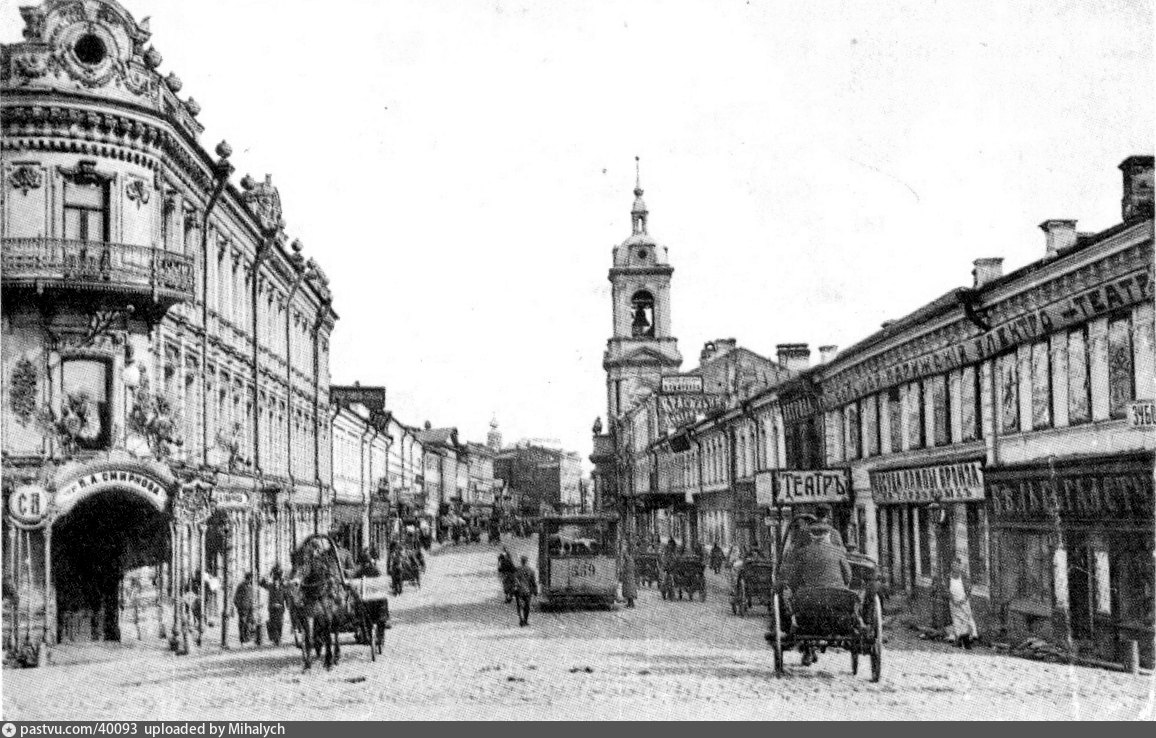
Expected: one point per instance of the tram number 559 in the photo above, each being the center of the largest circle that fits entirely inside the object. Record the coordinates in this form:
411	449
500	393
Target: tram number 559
582	570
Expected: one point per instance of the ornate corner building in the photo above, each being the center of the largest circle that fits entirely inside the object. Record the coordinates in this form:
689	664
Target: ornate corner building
165	346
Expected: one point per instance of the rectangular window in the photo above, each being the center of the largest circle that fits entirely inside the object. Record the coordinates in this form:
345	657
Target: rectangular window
895	416
1041	386
977	543
1007	371
85	211
1026	567
923	536
941	407
861	524
1121	376
870	414
1079	384
853	430
969	401
915	430
86	410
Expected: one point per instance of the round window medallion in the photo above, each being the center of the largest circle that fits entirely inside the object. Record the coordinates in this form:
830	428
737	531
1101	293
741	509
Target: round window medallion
90	49
642	254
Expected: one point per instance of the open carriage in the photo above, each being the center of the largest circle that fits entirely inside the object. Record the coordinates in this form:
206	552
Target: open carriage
646	568
816	619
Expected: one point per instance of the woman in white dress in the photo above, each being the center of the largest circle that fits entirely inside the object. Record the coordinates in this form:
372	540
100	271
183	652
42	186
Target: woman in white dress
959	599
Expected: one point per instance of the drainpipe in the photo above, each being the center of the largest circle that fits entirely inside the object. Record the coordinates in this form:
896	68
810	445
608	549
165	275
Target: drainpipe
221	172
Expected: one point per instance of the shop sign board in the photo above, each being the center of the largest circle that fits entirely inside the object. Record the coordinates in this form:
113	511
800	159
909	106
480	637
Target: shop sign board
1142	414
676	384
230	498
962	482
809	487
675	411
145	486
28	505
373	398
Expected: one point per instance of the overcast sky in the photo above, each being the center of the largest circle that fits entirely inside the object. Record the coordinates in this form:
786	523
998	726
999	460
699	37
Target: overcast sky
462	169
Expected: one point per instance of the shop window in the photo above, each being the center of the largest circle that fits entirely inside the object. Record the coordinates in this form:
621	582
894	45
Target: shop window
86	410
852	436
1008	377
1121	380
941	410
870	417
923	521
1026	568
915	431
1133	586
1079	384
977	533
1041	386
895	416
970	404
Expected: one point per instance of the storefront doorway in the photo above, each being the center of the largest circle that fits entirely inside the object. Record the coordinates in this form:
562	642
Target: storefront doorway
107	557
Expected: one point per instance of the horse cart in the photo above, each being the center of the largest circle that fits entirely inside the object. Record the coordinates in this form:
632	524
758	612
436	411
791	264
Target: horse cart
369	594
818	618
684	574
754	584
323	603
646	567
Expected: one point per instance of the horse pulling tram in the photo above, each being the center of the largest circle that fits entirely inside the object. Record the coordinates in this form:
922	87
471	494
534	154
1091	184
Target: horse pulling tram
822	618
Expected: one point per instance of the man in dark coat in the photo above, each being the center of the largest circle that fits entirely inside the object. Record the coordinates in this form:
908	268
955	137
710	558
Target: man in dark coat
276	586
506	570
243	601
525	588
818	564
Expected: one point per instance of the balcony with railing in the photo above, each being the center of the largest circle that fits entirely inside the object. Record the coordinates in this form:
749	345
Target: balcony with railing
59	264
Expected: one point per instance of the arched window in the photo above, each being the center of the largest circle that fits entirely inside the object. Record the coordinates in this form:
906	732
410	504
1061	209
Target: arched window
642	310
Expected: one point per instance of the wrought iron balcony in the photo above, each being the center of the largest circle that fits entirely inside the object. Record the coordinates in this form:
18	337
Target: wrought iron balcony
60	264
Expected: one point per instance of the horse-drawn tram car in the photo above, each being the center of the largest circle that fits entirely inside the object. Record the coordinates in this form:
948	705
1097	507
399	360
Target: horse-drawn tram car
577	560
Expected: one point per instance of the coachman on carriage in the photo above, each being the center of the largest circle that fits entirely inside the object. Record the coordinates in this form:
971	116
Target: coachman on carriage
324	601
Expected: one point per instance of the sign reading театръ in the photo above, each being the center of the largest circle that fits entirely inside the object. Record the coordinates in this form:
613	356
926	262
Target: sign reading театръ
946	483
809	487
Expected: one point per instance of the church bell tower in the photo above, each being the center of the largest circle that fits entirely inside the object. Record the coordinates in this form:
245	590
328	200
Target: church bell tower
642	348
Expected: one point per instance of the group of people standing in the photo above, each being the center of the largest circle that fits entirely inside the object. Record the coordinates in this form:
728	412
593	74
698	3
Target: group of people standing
519	584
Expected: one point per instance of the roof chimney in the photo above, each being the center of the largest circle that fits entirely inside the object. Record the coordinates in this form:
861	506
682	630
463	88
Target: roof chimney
795	357
1137	202
987	270
716	348
1061	234
827	353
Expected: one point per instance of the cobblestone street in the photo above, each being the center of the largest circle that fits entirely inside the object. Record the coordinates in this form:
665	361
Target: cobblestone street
456	651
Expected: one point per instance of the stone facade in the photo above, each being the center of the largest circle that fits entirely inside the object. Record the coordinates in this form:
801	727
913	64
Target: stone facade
165	344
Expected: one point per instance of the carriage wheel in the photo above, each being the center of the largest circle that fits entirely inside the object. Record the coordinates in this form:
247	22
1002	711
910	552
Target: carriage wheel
877	645
744	603
777	624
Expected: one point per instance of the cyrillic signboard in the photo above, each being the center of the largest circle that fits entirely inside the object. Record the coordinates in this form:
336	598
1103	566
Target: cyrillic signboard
680	385
947	483
1142	414
28	505
373	398
802	487
675	411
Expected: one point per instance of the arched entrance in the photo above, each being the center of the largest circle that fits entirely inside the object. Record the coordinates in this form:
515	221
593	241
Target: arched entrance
108	555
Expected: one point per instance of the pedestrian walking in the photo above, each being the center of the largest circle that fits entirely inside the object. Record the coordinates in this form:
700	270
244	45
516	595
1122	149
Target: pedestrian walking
716	558
962	619
629	577
525	589
260	622
275	585
507	570
243	602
